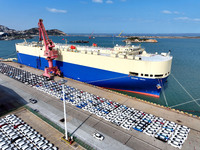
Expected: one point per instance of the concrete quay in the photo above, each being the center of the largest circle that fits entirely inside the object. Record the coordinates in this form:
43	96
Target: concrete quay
116	137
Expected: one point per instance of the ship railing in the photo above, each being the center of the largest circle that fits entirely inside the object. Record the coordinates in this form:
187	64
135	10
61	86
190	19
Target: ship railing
109	54
30	44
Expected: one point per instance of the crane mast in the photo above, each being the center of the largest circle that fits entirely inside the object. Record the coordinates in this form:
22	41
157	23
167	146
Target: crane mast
120	34
91	36
49	52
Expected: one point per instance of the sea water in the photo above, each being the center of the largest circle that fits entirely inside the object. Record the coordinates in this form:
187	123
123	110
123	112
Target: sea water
182	89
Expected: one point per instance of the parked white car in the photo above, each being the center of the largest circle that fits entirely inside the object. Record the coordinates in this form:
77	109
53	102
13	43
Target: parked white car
98	136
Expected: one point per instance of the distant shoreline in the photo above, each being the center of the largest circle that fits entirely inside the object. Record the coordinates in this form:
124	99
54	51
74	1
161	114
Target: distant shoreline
150	37
14	37
168	37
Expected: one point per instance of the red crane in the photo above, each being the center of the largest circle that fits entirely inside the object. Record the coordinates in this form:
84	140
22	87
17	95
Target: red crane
91	36
49	52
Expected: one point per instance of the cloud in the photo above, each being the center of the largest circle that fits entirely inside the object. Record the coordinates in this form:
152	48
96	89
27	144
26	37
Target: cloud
131	19
187	19
182	18
123	0
53	10
166	12
196	19
109	2
171	12
176	12
83	2
97	1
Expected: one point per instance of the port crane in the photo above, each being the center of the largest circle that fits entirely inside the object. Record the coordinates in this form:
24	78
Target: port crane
49	52
91	36
120	34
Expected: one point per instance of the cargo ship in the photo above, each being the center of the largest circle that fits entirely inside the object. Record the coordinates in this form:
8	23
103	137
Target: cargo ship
123	68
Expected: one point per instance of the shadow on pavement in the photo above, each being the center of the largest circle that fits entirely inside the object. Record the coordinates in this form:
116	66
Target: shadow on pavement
81	124
9	100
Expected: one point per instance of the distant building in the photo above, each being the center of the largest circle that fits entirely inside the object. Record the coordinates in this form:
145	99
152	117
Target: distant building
3	34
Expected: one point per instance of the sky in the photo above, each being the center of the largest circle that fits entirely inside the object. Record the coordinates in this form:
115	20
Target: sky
103	16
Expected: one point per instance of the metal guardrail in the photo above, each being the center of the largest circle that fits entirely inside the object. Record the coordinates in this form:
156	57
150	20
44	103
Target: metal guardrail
86	146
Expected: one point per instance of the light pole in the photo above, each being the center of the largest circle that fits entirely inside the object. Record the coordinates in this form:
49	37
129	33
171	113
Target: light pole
62	82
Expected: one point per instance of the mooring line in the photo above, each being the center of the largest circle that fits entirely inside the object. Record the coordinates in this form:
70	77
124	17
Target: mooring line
185	90
107	79
164	93
184	103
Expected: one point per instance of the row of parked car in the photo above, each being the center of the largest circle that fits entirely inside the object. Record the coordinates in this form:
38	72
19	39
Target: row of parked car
120	115
179	136
16	134
23	76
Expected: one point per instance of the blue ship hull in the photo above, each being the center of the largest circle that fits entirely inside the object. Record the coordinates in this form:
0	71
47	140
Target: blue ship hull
98	77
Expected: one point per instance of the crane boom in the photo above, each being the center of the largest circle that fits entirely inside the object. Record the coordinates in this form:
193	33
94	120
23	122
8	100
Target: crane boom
49	52
90	37
120	34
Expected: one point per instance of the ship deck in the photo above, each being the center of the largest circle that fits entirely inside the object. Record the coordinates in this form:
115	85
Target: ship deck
52	108
105	51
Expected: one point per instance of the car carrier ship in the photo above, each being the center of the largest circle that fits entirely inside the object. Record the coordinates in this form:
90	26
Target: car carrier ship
122	68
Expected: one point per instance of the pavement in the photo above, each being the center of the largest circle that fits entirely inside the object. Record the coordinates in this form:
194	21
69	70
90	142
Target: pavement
6	100
46	130
46	107
83	124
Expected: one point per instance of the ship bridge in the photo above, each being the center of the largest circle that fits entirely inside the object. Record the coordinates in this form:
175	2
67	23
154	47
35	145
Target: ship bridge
154	57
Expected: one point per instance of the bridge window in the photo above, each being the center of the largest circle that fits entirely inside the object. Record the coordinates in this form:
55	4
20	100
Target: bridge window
133	73
158	75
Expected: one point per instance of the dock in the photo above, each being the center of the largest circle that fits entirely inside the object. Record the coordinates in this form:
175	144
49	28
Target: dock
83	123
